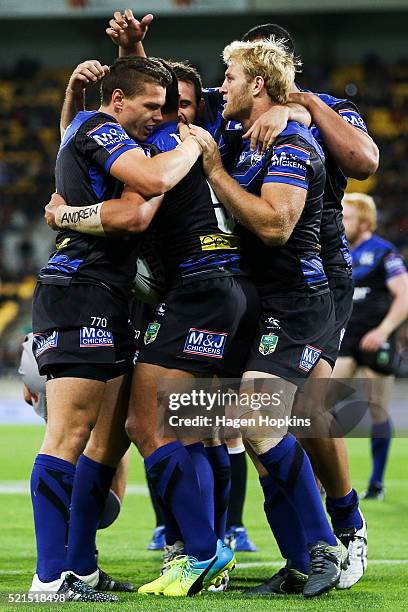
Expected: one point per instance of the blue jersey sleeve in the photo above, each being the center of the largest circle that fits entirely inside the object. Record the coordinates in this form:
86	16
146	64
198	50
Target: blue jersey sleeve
104	142
352	116
393	265
289	164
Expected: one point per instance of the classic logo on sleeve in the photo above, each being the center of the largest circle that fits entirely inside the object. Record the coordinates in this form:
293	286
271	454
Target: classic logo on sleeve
309	357
111	136
43	342
352	117
92	336
204	342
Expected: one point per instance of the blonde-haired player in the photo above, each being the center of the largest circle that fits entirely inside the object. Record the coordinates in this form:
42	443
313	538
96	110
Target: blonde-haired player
380	306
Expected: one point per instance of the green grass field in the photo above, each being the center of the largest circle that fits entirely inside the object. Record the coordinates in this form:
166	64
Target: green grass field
123	554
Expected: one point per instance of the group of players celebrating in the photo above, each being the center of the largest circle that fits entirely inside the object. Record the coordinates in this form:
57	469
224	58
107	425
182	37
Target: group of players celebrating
268	298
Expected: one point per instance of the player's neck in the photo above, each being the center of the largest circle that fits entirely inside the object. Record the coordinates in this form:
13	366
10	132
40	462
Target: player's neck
362	238
170	117
108	109
259	107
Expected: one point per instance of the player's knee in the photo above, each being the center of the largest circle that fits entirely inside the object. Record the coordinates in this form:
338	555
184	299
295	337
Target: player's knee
263	445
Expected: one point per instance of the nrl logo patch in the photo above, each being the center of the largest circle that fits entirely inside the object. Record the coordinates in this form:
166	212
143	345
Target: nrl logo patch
268	344
151	333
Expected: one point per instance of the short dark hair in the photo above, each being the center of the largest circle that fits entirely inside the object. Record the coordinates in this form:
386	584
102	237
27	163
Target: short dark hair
130	74
172	93
266	30
186	72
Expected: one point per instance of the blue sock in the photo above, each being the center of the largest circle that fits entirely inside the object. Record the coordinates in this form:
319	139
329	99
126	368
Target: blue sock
381	434
285	525
203	467
176	482
51	488
344	511
221	466
89	493
289	466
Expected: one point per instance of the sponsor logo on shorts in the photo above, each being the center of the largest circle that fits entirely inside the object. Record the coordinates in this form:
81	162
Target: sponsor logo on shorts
151	333
204	342
92	336
268	344
43	342
135	357
383	355
309	358
215	242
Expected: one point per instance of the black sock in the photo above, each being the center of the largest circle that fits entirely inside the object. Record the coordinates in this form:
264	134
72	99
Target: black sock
155	503
238	489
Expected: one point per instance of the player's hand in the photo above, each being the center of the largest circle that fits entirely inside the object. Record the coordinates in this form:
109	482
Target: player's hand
88	72
126	31
267	127
51	208
304	98
211	155
29	396
373	340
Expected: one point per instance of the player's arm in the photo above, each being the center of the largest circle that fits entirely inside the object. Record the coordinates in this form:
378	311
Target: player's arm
84	74
153	176
267	127
128	32
396	315
352	148
272	216
131	213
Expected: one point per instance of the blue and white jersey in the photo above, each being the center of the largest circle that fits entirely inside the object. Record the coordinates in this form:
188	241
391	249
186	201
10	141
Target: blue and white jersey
187	230
91	143
294	268
375	262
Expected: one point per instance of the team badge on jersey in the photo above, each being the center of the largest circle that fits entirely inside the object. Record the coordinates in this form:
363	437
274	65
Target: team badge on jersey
309	357
151	333
43	342
92	336
268	344
204	342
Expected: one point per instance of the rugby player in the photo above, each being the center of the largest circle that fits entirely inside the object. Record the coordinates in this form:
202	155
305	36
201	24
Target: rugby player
82	339
279	214
203	326
349	152
380	307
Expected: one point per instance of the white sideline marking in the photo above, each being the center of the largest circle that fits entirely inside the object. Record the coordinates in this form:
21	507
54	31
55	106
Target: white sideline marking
240	565
22	487
279	563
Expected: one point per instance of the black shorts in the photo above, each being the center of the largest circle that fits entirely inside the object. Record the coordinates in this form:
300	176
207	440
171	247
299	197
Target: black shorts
342	289
205	327
291	336
81	324
383	361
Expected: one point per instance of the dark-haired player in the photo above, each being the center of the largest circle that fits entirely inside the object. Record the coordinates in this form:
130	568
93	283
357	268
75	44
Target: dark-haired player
82	339
203	326
349	152
380	307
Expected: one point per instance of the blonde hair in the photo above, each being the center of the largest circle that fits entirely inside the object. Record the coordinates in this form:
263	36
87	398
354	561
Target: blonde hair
269	59
365	206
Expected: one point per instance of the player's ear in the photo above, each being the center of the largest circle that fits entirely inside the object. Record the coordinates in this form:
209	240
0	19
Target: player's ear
117	99
257	85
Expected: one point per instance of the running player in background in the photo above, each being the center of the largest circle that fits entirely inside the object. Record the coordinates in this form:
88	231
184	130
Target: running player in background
380	307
